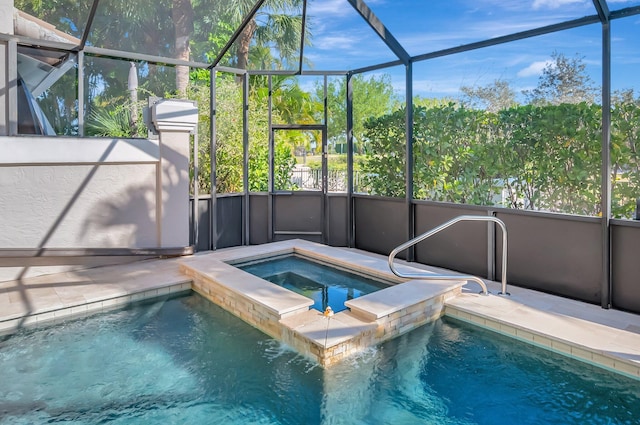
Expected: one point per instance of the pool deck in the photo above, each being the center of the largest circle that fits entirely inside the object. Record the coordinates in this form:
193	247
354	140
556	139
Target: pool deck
606	338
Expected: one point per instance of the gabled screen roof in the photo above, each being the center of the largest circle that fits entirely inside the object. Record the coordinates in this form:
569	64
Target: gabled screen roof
270	35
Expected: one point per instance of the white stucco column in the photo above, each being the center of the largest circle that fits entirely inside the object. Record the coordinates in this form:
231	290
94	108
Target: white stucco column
6	16
174	120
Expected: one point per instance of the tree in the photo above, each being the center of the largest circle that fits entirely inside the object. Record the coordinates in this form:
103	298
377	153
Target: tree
563	80
182	15
454	154
372	97
229	147
625	153
385	163
277	26
493	97
549	157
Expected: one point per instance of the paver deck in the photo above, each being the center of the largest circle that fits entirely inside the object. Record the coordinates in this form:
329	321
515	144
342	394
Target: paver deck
608	338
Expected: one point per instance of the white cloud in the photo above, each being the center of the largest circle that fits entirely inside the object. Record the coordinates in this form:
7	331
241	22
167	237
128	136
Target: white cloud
337	42
327	8
555	4
534	69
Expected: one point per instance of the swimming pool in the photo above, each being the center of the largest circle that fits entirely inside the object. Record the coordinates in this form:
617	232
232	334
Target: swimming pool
326	286
185	360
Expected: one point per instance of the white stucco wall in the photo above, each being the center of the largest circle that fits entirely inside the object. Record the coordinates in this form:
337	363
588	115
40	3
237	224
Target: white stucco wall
78	193
6	16
78	206
58	192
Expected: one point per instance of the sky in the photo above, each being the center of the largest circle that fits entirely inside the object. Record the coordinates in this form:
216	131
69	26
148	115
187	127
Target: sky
343	41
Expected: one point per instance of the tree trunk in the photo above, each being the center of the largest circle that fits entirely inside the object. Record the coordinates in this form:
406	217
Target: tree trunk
182	16
244	41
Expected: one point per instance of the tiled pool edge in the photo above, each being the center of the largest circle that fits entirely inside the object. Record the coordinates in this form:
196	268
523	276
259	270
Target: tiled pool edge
76	311
146	280
595	357
284	315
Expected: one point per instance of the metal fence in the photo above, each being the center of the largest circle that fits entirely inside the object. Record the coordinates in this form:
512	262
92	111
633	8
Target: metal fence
304	178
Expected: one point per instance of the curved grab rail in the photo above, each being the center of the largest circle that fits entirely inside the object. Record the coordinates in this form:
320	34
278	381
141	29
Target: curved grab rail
440	228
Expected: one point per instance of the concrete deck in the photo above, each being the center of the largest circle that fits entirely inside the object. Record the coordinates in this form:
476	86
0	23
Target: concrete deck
607	338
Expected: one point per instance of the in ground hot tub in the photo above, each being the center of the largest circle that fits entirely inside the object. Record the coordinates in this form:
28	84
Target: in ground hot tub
291	310
327	286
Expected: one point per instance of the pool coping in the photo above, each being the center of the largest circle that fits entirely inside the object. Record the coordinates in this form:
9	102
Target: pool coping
604	337
286	316
615	350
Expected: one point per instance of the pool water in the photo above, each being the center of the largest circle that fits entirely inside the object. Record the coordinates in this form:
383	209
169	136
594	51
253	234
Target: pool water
326	286
186	361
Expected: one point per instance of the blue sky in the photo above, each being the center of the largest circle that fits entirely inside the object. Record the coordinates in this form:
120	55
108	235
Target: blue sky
341	41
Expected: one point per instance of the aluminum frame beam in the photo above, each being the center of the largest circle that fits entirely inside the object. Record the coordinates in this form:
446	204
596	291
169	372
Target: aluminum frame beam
139	57
600	5
377	67
55	75
587	20
238	31
603	10
296	73
87	29
367	14
302	33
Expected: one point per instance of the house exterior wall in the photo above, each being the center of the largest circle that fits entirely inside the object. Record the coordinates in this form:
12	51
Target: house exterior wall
58	192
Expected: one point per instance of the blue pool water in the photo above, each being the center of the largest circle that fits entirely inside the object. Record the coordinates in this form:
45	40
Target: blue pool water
326	286
186	361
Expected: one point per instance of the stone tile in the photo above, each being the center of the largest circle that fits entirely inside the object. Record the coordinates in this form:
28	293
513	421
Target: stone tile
542	341
507	329
541	318
560	347
296	321
581	353
278	299
626	368
389	300
524	335
10	326
71	295
609	337
602	360
45	317
328	332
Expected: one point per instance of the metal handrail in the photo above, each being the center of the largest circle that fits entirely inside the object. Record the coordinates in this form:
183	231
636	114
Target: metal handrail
440	228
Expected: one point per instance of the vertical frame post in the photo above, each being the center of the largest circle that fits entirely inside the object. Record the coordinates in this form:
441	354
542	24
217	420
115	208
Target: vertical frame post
270	177
213	213
12	87
350	218
409	159
196	190
491	247
245	156
605	197
325	167
81	105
